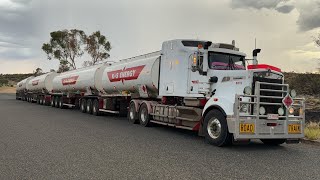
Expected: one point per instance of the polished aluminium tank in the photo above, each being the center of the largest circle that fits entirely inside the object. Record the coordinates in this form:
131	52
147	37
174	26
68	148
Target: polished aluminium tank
22	85
41	83
130	74
78	80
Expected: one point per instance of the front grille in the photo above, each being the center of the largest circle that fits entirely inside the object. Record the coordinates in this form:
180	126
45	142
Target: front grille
274	97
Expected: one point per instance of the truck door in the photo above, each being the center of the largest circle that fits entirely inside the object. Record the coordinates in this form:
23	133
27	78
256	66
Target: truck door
197	76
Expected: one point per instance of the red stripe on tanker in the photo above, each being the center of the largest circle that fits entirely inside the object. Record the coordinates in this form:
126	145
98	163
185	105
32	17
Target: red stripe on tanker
70	80
34	83
125	74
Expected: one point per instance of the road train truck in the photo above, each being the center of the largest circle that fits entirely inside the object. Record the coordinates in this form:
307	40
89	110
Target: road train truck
190	84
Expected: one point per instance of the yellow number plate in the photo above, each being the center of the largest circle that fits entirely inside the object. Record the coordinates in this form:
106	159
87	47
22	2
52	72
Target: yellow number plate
294	128
246	128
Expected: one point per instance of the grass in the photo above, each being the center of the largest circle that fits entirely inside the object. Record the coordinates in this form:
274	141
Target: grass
312	130
5	89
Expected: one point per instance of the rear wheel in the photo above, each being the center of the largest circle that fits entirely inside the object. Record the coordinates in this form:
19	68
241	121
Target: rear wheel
56	102
83	106
273	142
132	114
144	116
95	108
52	101
44	100
61	102
89	106
216	129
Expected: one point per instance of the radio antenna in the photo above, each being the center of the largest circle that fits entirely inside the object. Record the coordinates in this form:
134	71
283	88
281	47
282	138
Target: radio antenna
255	43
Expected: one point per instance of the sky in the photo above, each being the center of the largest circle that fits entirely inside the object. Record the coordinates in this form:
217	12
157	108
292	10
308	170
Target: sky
284	29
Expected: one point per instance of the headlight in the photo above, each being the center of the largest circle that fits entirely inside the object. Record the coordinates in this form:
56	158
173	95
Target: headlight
262	110
281	111
247	90
293	93
291	110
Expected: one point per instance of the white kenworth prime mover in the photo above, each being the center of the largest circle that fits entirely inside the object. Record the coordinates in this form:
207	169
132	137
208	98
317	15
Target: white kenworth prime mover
189	84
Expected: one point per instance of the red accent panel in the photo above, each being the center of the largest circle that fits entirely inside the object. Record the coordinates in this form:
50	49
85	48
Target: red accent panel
203	102
125	74
100	103
264	66
196	127
70	80
35	82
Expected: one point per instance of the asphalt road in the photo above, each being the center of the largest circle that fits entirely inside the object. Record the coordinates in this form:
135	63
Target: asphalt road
41	142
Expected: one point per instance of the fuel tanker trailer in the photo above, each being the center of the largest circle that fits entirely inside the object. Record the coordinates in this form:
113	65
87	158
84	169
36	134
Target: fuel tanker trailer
21	89
40	87
77	87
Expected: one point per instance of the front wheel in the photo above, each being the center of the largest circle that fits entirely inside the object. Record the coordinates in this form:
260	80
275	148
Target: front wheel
144	116
216	129
273	142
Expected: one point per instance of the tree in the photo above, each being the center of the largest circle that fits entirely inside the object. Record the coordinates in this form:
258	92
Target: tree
98	48
317	42
63	67
65	46
37	72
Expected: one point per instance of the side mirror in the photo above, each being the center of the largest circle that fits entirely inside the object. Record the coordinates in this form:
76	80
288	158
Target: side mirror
197	62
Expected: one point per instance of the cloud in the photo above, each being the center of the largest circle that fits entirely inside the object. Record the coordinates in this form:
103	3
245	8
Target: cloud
309	10
255	4
285	9
19	28
309	14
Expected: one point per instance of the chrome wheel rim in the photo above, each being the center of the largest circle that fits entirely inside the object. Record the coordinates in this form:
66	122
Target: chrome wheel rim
214	128
131	113
143	115
88	108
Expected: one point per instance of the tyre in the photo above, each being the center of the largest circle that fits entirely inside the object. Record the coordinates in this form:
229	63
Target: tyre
144	116
95	108
89	106
56	101
132	114
83	106
273	142
44	101
216	129
52	101
61	102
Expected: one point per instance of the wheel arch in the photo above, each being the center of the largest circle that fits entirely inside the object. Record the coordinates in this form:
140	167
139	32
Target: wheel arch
213	107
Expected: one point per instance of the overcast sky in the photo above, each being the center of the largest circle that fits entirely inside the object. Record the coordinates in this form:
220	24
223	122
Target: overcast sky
284	29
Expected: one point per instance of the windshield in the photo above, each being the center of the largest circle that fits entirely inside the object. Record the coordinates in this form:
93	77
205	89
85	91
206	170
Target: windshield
222	61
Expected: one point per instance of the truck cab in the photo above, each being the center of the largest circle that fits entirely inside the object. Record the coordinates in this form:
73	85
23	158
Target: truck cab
242	101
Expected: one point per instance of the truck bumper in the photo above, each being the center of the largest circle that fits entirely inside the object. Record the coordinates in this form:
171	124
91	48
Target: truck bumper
265	129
